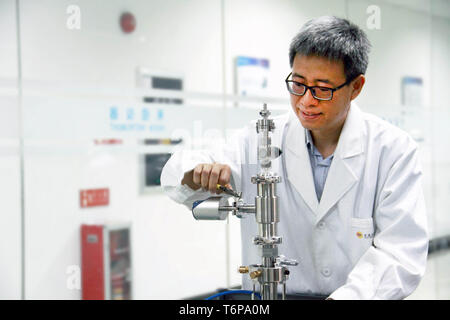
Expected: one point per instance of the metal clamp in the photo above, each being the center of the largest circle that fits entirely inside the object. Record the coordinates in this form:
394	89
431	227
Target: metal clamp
283	261
258	240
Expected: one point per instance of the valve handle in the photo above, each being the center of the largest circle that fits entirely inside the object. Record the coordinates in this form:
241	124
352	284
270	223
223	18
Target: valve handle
283	261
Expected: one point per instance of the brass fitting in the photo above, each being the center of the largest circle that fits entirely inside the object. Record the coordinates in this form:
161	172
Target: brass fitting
243	269
255	274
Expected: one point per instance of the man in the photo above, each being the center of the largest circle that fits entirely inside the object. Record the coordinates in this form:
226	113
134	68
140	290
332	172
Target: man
351	203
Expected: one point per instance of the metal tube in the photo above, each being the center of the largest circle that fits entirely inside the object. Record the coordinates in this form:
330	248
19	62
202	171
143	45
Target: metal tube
270	291
261	289
266	203
267	230
268	262
248	208
226	208
253	292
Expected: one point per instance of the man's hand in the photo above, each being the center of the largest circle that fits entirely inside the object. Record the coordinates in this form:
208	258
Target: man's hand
207	176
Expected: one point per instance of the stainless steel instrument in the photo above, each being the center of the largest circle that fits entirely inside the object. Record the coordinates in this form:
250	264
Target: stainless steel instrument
272	271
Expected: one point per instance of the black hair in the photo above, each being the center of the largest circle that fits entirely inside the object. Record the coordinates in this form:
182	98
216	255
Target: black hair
336	39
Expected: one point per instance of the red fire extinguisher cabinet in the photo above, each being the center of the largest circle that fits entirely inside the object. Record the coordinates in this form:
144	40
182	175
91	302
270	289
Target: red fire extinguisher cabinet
105	262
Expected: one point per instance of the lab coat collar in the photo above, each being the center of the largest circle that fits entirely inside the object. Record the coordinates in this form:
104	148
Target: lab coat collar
341	176
352	135
298	165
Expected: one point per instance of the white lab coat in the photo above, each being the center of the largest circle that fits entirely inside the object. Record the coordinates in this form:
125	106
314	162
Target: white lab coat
366	239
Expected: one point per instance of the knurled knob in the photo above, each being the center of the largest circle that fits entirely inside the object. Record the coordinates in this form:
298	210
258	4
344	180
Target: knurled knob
243	269
255	274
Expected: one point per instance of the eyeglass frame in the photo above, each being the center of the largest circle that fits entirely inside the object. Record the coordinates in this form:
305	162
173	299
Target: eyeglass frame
312	87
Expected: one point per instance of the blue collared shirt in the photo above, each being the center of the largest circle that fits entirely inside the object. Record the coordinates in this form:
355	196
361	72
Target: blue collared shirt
319	165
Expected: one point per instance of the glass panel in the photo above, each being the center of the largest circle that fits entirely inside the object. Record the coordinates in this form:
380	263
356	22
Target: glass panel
93	97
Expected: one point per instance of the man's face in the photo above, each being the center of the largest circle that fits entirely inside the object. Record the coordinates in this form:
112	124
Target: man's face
316	115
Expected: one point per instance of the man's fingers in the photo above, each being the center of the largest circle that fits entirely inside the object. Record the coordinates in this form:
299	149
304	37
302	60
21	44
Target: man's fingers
225	175
208	176
197	175
214	178
205	176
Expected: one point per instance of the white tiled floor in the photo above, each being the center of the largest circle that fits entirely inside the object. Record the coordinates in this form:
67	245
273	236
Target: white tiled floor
435	285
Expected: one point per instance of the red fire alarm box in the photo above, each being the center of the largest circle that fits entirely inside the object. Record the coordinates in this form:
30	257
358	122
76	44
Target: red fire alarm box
105	262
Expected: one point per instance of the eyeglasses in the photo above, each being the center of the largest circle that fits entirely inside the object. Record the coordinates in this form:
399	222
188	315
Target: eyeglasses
318	92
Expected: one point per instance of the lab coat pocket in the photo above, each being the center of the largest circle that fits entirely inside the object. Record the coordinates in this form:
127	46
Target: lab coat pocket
361	235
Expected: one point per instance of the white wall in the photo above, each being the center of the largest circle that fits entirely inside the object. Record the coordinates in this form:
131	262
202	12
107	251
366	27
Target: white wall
265	28
168	35
440	113
66	73
10	182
